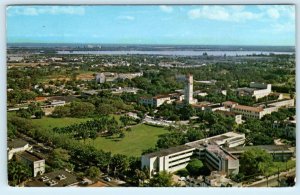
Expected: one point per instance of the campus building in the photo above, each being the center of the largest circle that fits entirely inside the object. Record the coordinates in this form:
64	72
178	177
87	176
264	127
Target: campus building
36	163
261	110
15	146
59	178
188	90
257	90
209	150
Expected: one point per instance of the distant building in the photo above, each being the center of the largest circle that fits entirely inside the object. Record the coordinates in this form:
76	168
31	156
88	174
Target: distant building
16	145
59	178
155	101
36	163
257	90
188	90
100	78
249	111
261	110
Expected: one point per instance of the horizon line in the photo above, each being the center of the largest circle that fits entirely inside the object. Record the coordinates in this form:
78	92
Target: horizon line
171	44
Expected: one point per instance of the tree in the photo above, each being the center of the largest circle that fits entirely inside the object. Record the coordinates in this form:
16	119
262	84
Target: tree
18	172
125	120
255	160
93	172
139	176
162	179
194	167
194	134
59	159
119	163
61	111
82	109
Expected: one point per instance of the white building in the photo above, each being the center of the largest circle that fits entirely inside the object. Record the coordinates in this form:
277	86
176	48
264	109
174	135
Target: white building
208	150
257	90
36	163
188	90
100	78
17	145
170	160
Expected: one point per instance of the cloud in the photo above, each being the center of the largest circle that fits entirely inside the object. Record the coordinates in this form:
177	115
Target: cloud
126	18
276	11
221	13
166	9
51	10
273	13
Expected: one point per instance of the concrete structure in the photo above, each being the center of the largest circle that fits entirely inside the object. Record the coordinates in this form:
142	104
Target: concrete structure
218	179
36	163
282	103
217	158
261	110
257	90
100	78
17	145
59	178
208	150
249	111
188	90
278	152
155	101
171	159
110	76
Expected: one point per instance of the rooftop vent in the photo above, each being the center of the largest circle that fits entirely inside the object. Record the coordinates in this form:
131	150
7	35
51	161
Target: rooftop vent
44	178
61	177
52	183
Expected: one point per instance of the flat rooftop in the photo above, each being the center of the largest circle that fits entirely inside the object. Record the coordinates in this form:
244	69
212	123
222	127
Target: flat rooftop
166	152
269	148
218	138
16	143
69	179
30	156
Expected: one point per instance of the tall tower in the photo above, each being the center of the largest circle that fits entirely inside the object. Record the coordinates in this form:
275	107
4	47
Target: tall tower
188	89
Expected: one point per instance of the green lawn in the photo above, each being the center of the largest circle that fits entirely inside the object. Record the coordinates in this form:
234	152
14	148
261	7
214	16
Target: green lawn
49	123
141	137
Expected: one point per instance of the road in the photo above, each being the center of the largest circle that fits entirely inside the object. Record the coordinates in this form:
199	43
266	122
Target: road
272	180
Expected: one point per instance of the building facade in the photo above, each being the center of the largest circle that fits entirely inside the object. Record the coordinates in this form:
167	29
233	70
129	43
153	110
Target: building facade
209	150
36	163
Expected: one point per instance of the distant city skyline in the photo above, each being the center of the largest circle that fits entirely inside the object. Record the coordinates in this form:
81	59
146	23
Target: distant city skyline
266	25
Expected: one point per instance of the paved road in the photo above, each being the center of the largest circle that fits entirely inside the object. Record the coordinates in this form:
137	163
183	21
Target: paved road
272	180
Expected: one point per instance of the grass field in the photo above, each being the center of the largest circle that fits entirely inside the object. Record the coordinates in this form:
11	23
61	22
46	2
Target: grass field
49	123
141	137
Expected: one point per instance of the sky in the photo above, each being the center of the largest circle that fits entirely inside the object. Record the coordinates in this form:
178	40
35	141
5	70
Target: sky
156	24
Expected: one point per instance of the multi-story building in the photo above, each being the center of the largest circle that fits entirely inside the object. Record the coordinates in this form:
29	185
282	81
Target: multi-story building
257	90
208	150
248	111
36	163
155	101
261	110
171	159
